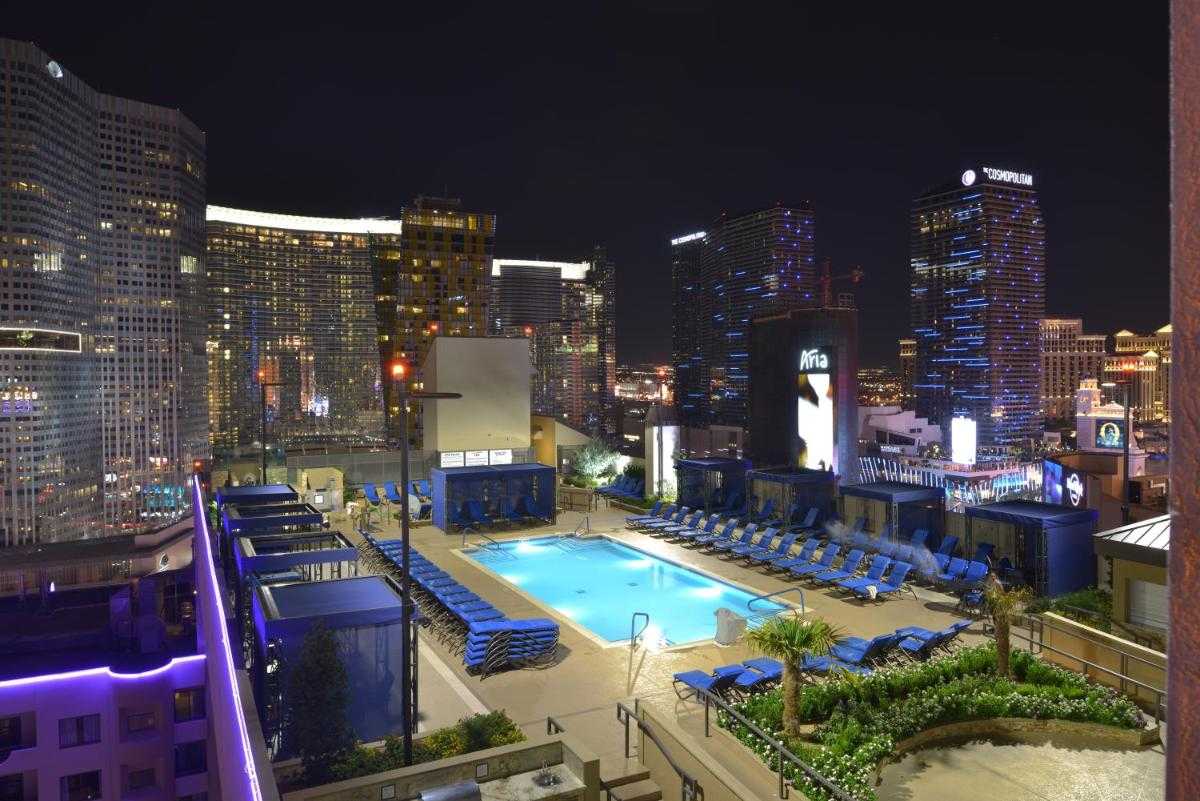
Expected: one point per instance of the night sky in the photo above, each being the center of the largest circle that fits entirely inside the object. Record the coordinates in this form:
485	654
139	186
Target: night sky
625	125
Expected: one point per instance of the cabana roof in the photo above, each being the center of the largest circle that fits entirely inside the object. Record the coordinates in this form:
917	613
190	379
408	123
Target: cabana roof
257	494
360	601
721	464
895	492
270	517
492	470
1027	513
1147	541
790	475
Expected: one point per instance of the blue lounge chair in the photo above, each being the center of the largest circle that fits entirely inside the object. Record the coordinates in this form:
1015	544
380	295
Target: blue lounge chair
507	511
831	664
955	570
691	683
972	578
803	557
526	507
824	563
391	493
708	540
462	518
948	635
687	522
786	519
847	570
857	651
766	556
478	513
420	488
710	525
892	584
651	515
764	514
808	522
674	519
983	552
873	576
918	537
759	675
372	494
733	542
764	544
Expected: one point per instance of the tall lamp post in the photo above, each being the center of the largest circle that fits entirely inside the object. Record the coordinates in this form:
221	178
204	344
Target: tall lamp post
403	396
1125	393
262	388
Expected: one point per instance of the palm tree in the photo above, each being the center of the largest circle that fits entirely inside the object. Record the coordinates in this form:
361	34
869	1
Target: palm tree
1004	605
791	638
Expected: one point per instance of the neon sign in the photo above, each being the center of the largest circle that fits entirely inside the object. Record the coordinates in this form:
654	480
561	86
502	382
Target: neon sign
814	359
1005	176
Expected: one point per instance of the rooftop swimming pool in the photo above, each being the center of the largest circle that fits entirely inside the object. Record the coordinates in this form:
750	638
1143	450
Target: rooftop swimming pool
599	583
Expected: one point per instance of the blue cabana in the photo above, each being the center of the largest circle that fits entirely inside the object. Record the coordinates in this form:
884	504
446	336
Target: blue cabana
498	488
313	551
1051	546
905	507
257	495
712	482
239	519
789	486
364	616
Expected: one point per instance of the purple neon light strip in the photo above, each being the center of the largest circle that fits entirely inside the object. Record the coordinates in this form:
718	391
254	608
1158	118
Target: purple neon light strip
223	663
100	671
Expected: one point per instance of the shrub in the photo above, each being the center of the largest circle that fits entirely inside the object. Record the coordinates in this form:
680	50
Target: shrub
635	471
593	459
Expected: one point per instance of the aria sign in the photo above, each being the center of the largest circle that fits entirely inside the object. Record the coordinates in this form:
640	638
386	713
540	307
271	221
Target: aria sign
1003	176
814	360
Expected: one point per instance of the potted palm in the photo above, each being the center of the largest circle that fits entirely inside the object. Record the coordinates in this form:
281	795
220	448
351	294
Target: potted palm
790	639
1004	605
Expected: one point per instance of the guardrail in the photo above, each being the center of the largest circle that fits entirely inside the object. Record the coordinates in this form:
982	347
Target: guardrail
782	754
690	789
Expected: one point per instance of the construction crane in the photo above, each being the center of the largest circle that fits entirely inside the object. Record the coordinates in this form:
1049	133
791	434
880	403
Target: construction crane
827	279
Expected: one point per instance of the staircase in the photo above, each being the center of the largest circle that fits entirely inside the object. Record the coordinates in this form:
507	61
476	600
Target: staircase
627	780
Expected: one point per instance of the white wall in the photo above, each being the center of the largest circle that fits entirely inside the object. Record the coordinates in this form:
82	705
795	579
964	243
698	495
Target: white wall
493	375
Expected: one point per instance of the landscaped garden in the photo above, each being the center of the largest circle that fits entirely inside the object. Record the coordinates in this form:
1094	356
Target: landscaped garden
845	726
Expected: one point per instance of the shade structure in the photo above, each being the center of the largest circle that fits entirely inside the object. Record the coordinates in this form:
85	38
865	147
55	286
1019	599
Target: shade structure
905	507
496	487
239	519
276	553
794	485
1051	545
257	495
711	482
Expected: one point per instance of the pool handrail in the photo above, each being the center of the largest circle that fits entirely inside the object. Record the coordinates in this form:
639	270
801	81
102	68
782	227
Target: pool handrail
803	608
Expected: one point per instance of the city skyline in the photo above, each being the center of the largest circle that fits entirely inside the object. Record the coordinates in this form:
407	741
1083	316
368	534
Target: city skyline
859	166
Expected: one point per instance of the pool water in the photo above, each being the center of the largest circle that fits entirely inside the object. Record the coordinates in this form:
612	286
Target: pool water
599	583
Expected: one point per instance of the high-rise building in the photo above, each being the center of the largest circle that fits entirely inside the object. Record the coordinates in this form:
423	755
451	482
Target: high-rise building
101	273
1145	360
751	265
689	301
1068	357
978	294
566	309
908	364
435	283
291	304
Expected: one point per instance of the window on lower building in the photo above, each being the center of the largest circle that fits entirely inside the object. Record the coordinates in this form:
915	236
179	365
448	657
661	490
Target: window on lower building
189	704
80	786
10	732
12	787
81	730
140	779
190	758
137	722
203	796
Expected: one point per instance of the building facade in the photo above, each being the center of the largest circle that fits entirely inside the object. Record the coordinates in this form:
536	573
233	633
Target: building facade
688	317
750	265
531	291
292	306
436	282
1145	361
908	365
101	271
1068	357
978	293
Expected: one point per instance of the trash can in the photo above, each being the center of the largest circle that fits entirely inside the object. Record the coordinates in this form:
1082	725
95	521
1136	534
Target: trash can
730	626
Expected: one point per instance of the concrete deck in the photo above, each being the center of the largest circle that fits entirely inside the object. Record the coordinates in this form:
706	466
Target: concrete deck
581	689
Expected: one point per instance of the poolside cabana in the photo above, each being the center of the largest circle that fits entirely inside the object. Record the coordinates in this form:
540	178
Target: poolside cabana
712	482
493	486
316	555
1050	546
242	520
364	615
788	486
257	495
905	507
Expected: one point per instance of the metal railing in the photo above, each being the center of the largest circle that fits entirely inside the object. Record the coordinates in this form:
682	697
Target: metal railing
690	789
554	727
1089	667
803	608
585	524
490	543
782	754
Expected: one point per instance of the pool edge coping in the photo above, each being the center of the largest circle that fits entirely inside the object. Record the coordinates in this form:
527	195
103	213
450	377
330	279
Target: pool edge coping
461	553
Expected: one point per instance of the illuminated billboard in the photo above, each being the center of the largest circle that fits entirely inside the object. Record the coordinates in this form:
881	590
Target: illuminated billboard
1110	434
962	440
1052	482
814	420
1063	486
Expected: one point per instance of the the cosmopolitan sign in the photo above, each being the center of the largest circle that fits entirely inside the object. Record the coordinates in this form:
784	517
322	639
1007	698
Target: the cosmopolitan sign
1008	176
814	360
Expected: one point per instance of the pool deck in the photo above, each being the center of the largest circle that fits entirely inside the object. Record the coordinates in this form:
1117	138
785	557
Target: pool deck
582	688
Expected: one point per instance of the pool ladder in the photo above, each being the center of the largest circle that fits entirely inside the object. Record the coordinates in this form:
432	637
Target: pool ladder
753	620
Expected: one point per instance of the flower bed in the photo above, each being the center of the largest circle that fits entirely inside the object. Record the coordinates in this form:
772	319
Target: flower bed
860	720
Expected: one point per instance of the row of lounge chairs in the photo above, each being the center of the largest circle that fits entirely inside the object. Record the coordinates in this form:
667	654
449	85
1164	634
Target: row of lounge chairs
849	655
624	487
472	514
391	495
487	640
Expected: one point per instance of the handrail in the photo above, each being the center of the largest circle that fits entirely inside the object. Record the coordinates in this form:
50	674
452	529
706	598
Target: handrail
782	753
585	524
803	608
1160	694
1055	627
632	623
481	545
554	727
690	788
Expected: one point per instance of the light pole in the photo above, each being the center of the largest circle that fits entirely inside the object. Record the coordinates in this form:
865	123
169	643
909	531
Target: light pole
400	376
262	388
1124	385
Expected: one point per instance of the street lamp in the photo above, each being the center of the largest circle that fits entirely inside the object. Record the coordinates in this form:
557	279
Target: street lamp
399	375
262	387
1125	443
